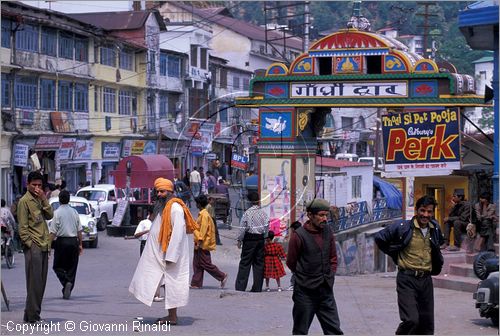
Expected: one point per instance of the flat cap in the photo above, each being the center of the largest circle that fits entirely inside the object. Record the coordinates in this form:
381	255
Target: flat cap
318	204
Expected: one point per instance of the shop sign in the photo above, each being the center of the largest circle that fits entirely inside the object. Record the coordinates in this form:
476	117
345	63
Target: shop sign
192	131
417	141
196	150
83	150
61	122
138	147
21	152
67	149
239	161
49	142
110	150
349	90
172	148
211	156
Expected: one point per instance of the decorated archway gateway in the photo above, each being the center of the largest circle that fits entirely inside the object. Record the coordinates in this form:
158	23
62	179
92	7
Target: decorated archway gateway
421	106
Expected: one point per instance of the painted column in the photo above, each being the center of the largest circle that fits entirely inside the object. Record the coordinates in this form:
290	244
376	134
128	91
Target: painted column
496	124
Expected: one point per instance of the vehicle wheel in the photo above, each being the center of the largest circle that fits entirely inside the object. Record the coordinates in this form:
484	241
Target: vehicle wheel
93	243
479	265
494	317
9	256
103	222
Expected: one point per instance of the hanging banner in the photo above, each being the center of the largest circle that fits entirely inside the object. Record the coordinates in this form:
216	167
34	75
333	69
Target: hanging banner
419	141
83	150
21	152
67	149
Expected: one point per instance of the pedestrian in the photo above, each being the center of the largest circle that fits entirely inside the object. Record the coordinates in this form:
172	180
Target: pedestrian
166	255
294	226
211	211
185	179
487	220
253	230
32	212
273	267
195	182
56	191
66	236
9	220
142	230
204	243
222	188
458	218
312	257
414	246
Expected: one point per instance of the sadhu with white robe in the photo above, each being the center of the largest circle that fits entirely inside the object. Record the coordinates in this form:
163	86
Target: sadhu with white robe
166	254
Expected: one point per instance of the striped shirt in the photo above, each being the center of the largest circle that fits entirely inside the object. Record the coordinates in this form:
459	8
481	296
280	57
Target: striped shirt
255	221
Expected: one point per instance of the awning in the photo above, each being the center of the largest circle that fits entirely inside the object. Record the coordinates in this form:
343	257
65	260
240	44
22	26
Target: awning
392	194
174	135
49	142
225	141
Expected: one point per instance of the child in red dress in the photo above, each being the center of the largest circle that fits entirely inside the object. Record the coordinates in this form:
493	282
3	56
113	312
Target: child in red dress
273	267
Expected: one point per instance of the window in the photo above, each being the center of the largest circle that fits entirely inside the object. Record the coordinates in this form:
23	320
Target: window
81	49
6	30
26	91
127	60
163	64
125	102
246	83
49	41
66	45
356	187
5	90
194	55
236	83
198	103
47	94
203	58
174	66
65	99
152	62
482	75
81	98
27	38
109	104
223	78
346	123
163	104
223	113
108	56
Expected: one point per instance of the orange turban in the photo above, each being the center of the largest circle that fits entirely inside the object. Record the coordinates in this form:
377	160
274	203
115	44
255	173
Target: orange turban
164	184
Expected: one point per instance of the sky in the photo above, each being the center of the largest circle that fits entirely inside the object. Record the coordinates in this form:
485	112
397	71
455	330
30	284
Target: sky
78	6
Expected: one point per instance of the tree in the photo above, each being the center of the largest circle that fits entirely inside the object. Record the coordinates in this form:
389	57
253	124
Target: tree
487	119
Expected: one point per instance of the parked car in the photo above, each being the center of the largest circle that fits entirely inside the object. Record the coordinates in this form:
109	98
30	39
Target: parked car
346	157
103	198
371	159
86	214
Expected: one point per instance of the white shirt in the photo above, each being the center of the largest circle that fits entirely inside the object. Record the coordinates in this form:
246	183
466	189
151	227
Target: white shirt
143	225
66	222
194	177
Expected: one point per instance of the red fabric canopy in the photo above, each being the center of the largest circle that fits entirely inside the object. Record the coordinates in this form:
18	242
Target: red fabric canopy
145	169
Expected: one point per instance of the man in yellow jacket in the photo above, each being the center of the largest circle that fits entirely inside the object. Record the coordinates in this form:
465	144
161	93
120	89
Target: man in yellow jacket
204	242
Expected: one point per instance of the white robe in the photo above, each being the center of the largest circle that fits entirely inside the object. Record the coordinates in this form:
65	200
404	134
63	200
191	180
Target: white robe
151	267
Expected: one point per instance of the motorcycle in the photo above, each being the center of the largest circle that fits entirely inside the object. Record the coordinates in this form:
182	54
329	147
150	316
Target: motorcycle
486	268
7	247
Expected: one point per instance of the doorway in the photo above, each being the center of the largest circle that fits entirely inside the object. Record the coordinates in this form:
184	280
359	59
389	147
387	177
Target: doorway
437	191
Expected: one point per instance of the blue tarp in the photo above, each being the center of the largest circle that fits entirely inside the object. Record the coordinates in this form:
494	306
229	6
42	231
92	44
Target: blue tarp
393	196
252	182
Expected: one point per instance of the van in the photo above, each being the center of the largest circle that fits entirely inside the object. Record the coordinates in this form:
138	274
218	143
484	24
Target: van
346	157
371	159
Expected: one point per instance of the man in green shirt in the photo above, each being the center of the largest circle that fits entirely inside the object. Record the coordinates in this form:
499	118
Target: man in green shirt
32	212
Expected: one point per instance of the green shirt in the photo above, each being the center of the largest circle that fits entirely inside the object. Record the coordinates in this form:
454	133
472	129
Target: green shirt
417	255
31	216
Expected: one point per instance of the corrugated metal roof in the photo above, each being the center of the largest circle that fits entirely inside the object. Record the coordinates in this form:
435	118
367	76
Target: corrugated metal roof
123	20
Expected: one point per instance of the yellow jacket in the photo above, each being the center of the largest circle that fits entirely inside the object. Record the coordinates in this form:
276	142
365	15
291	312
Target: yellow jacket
206	233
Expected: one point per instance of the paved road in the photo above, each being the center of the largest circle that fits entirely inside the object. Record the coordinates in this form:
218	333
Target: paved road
101	300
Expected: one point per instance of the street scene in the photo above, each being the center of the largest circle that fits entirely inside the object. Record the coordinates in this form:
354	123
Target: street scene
332	166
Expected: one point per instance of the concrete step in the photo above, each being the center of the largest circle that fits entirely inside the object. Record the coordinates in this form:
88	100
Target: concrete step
469	258
455	257
463	269
455	282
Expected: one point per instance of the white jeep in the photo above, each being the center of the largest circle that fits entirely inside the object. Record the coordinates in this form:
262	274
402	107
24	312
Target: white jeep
103	198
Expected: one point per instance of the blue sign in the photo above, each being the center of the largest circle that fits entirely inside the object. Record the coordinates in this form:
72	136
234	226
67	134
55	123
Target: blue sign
276	124
239	161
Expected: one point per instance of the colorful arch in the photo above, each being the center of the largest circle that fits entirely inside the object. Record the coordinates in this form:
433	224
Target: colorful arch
277	69
425	66
303	65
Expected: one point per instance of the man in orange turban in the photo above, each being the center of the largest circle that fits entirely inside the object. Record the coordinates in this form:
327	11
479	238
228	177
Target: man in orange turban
166	254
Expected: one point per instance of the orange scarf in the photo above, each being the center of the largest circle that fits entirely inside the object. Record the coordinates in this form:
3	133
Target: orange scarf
166	225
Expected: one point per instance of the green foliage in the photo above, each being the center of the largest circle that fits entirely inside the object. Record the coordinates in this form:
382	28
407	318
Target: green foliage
487	120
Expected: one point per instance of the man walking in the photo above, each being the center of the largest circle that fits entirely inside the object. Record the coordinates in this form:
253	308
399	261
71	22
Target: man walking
312	257
32	211
195	182
253	231
204	242
66	235
414	246
166	255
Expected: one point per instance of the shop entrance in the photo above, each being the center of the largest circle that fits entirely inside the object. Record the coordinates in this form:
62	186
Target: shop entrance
437	191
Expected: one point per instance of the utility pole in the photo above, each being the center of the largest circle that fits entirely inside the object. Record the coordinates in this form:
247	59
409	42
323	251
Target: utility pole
426	25
377	137
307	24
158	141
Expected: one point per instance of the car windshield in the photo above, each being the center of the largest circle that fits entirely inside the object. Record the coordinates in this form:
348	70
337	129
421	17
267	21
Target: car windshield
92	195
80	207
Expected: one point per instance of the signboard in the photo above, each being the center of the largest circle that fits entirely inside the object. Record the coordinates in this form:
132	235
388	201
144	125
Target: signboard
21	152
239	161
120	212
83	150
110	150
49	142
417	141
211	156
276	124
349	90
67	149
61	122
138	147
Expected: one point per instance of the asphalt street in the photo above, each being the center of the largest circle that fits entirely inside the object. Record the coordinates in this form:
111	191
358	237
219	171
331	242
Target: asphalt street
101	301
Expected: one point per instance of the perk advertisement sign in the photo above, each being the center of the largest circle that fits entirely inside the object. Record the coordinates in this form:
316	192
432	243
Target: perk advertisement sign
422	140
239	161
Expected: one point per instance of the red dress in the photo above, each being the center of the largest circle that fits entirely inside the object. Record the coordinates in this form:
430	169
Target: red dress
273	268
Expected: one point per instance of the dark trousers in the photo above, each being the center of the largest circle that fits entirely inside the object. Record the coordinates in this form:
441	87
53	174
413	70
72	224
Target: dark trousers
202	261
458	229
36	267
317	301
141	248
416	305
66	255
252	255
